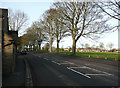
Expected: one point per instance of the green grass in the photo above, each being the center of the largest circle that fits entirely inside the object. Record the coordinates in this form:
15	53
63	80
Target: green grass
109	55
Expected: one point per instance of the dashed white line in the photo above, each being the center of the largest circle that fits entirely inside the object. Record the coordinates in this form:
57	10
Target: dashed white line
56	63
45	58
78	72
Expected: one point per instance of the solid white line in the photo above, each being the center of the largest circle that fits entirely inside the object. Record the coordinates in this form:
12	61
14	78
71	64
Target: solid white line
66	63
78	72
98	70
55	62
95	74
79	67
107	73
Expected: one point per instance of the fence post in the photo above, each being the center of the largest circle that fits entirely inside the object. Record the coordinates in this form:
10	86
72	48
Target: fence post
97	56
106	57
89	56
116	59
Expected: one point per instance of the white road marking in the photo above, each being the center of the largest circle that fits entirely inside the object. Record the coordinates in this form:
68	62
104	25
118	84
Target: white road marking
45	58
70	68
69	62
103	73
56	63
87	64
96	74
66	63
79	67
78	72
99	71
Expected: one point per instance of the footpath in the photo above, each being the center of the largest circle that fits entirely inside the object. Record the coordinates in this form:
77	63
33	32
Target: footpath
16	79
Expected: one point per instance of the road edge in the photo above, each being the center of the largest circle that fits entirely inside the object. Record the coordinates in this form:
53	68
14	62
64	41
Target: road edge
28	76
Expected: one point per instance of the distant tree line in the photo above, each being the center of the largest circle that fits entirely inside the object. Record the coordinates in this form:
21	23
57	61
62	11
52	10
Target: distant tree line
101	46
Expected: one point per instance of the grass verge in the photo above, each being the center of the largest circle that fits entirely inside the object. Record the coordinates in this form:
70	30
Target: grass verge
104	55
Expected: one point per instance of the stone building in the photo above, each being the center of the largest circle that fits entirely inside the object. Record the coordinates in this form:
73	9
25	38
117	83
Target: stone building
9	44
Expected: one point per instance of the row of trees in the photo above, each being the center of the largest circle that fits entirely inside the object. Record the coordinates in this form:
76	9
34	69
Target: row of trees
100	46
75	19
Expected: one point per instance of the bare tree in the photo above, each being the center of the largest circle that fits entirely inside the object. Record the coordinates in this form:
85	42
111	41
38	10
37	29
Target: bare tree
112	9
83	19
101	45
38	33
61	29
17	19
110	45
93	46
87	45
34	36
49	26
82	45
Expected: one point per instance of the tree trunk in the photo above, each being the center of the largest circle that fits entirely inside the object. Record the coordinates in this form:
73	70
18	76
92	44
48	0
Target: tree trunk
57	46
39	47
74	47
50	47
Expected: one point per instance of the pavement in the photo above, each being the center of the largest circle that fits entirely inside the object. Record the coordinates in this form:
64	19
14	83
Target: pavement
16	79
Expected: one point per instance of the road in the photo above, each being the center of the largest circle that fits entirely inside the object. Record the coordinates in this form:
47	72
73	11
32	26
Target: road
64	70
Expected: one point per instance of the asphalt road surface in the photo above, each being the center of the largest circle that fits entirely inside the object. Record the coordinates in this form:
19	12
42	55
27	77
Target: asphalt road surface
64	70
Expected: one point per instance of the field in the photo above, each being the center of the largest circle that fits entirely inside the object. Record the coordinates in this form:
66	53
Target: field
104	55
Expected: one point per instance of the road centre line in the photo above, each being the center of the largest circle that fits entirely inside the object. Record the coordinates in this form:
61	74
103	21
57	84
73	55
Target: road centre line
56	63
78	72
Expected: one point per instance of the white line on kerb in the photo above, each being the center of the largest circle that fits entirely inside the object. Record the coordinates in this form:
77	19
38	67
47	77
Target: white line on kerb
55	62
78	72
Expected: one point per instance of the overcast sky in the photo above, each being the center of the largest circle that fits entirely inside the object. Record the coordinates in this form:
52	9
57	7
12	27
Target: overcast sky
34	10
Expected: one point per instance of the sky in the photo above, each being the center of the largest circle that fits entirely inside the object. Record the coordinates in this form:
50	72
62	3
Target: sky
35	9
